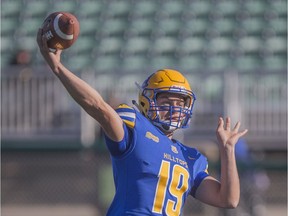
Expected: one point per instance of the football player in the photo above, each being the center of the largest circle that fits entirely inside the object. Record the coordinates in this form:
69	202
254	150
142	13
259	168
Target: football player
154	173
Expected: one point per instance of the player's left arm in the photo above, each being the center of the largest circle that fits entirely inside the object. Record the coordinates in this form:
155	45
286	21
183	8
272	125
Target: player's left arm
226	193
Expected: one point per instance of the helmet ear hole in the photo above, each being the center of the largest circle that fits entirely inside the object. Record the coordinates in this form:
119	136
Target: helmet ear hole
142	104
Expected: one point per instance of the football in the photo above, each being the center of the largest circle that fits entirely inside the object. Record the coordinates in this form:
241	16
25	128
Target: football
61	30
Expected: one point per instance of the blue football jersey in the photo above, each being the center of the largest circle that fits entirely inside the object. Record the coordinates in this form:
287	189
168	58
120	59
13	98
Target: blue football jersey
153	175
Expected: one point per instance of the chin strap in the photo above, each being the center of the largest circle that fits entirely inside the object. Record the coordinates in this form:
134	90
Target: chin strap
166	128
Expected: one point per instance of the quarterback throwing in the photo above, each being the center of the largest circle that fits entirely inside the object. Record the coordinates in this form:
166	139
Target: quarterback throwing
154	173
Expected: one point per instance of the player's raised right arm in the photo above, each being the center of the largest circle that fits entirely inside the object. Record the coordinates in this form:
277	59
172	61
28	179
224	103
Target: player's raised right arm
87	97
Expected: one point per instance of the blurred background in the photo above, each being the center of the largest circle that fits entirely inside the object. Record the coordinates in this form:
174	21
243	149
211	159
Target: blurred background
233	52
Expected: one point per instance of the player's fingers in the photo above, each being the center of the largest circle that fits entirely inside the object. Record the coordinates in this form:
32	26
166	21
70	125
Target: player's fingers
242	133
44	43
39	37
58	53
228	123
220	123
237	126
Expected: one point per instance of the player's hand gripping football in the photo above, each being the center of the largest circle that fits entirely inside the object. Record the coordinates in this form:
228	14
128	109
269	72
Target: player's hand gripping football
226	136
52	58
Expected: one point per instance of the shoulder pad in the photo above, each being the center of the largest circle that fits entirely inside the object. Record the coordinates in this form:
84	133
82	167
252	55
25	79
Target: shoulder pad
127	114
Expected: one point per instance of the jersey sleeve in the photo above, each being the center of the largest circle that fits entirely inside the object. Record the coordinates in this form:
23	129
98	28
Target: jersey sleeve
200	172
128	115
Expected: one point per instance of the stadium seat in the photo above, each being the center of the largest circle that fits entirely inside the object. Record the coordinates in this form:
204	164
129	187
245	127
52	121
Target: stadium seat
167	27
34	8
159	62
224	27
218	63
212	87
8	25
113	27
28	27
12	8
252	26
276	45
198	8
117	9
143	9
164	46
250	45
127	82
134	63
79	62
8	44
5	59
255	7
110	45
140	27
193	63
83	45
88	9
170	9
63	5
220	45
89	26
280	7
195	27
103	81
107	64
275	63
247	63
27	43
278	26
191	45
226	8
136	45
193	78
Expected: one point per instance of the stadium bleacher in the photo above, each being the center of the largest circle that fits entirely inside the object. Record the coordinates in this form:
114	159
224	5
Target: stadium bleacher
251	25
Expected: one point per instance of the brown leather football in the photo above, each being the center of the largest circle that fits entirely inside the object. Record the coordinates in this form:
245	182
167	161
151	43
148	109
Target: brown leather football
61	30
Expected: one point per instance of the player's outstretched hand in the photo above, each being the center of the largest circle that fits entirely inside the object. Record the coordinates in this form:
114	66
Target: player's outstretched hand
226	136
52	58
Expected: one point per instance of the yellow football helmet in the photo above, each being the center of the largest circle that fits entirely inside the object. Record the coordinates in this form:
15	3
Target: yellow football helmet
166	81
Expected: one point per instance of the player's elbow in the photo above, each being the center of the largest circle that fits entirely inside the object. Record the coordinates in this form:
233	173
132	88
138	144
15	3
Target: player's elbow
231	203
